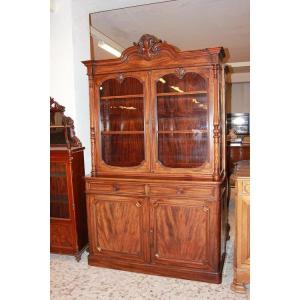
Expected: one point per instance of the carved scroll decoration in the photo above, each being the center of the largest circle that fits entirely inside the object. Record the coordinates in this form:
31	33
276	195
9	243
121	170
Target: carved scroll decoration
75	142
55	107
180	72
120	78
67	122
148	46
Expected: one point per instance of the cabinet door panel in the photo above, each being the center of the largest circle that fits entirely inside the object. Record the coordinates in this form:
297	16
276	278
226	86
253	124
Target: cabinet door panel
180	230
122	123
181	121
118	226
59	190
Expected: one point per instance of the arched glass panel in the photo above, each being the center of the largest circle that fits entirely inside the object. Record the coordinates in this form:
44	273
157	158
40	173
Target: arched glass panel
182	115
122	122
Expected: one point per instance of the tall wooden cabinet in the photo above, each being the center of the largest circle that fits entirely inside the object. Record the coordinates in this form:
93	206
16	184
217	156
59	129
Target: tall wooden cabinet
68	224
157	194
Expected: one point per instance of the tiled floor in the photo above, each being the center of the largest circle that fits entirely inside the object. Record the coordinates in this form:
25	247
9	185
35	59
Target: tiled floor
72	280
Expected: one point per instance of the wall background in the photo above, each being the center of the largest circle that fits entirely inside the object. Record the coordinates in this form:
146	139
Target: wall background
238	98
61	56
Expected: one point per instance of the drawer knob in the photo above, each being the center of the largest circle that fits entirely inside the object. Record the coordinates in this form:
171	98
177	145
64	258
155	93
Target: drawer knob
138	204
116	187
179	191
99	249
156	255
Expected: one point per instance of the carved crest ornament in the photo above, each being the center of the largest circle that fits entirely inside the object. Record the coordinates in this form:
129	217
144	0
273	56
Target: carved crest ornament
55	107
65	121
148	46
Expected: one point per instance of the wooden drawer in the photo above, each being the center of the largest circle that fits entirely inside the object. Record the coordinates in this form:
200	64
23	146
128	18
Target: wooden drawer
115	188
182	190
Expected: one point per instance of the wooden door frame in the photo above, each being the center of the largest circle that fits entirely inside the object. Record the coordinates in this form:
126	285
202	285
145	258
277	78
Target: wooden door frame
206	169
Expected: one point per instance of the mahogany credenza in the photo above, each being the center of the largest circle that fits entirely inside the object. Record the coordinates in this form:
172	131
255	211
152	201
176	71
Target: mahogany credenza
68	221
242	227
157	193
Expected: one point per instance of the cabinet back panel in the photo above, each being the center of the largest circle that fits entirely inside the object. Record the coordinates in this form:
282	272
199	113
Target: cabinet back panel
183	150
124	150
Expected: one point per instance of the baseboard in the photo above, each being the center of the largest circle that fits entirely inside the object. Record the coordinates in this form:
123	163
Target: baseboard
160	270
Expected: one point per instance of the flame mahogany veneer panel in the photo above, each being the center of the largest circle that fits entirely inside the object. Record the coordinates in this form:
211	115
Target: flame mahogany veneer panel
118	226
175	238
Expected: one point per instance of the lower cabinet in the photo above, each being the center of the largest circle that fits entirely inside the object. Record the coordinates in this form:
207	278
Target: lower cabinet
175	236
68	220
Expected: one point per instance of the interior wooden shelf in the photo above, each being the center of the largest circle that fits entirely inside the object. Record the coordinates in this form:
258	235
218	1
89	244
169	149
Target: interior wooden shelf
60	126
182	131
121	132
121	97
181	93
64	201
194	114
62	174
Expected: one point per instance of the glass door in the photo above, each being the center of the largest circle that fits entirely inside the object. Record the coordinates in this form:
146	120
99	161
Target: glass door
123	142
59	201
182	117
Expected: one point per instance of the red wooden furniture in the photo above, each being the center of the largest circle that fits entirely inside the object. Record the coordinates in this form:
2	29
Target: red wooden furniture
68	224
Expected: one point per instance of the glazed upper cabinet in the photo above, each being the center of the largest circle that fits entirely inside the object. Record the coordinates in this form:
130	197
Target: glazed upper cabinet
159	121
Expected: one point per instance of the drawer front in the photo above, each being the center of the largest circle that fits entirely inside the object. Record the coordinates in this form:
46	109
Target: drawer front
116	188
182	190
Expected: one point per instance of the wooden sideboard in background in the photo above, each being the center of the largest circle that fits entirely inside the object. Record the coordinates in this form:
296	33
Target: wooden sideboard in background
242	227
68	221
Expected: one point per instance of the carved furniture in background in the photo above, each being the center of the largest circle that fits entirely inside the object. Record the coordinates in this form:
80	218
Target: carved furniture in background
242	227
68	224
157	194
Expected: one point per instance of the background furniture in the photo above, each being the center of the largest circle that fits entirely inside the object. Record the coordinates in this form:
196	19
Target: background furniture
242	227
68	225
236	152
157	195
